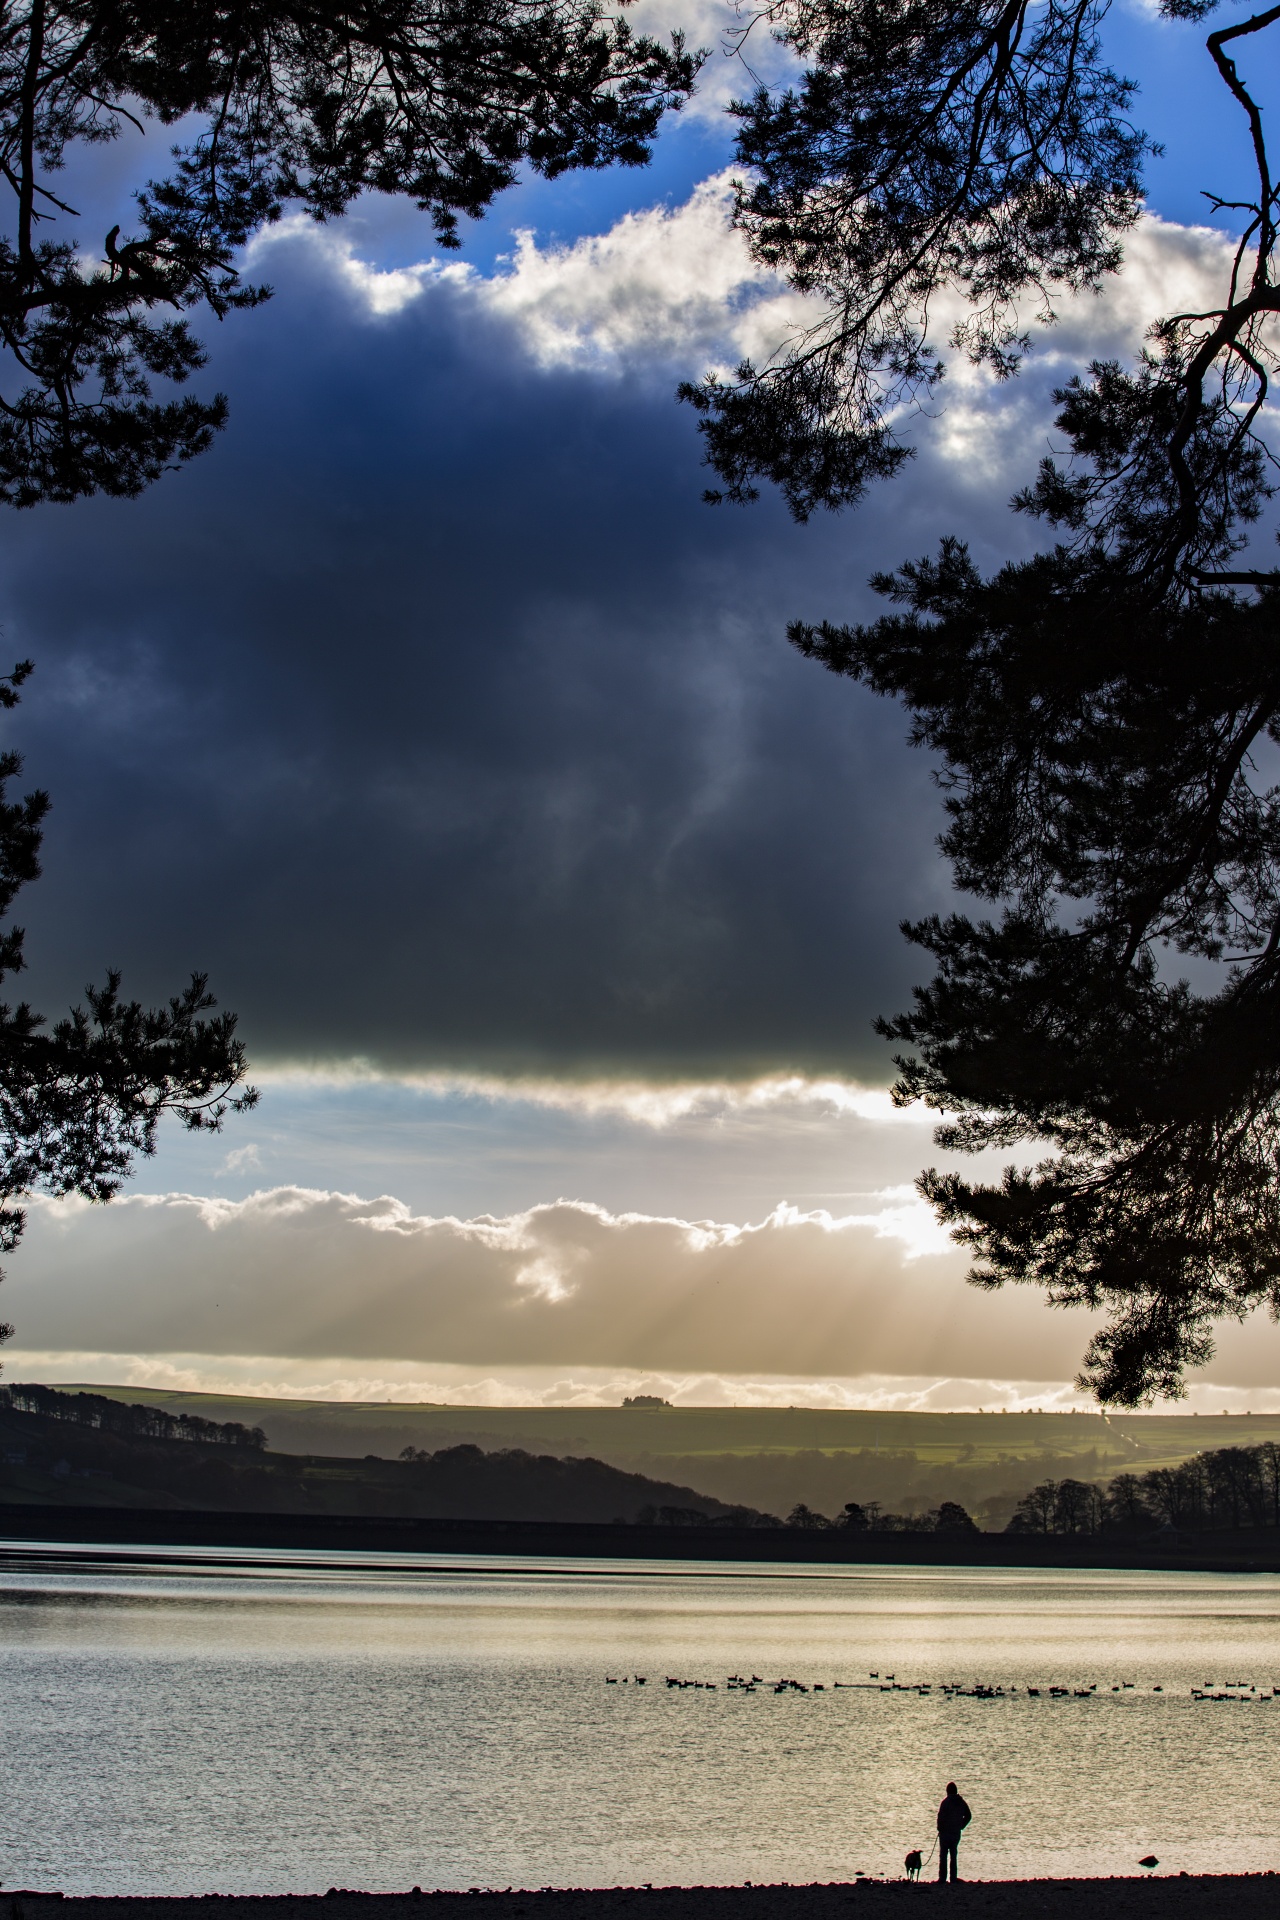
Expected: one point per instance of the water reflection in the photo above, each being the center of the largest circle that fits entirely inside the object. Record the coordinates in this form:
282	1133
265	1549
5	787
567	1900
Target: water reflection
288	1722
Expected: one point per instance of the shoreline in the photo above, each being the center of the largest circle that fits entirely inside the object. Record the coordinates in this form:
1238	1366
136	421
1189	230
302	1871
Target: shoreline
94	1531
1146	1897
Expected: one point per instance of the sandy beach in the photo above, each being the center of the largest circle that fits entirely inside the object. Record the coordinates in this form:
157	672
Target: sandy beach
1162	1896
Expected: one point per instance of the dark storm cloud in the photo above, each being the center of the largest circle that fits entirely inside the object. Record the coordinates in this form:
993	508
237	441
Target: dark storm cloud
435	716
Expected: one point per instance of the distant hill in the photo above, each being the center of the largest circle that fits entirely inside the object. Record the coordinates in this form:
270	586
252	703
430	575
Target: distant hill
762	1457
82	1448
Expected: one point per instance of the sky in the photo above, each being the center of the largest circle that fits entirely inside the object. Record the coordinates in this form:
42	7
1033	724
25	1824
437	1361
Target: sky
437	719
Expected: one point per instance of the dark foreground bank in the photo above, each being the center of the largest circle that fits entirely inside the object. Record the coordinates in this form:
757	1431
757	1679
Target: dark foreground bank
1169	1897
99	1529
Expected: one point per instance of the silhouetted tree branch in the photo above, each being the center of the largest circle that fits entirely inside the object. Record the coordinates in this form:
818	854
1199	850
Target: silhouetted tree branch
303	106
930	146
1102	713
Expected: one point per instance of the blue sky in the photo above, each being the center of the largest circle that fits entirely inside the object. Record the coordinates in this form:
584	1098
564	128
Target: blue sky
435	716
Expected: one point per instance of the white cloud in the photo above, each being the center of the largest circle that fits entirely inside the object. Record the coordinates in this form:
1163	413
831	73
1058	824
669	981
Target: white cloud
665	285
296	1292
742	49
987	428
245	1159
301	1273
379	291
671	292
675	288
660	287
1168	268
409	1383
654	1105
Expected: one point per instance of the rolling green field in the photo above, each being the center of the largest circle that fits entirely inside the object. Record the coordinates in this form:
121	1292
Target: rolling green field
763	1457
934	1439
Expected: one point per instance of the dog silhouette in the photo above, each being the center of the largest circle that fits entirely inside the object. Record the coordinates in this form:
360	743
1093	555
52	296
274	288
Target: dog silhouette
913	1864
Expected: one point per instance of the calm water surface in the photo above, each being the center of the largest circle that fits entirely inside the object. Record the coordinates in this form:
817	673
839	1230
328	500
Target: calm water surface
291	1723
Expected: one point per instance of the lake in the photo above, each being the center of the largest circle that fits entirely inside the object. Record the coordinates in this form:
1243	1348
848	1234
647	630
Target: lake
295	1721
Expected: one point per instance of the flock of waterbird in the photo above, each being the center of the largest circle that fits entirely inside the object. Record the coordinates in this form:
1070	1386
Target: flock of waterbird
1244	1692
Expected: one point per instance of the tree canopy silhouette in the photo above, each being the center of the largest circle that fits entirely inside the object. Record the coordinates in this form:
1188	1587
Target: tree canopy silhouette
280	105
1104	712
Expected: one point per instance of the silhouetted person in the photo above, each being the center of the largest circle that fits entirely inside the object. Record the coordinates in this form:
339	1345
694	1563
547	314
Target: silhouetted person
953	1817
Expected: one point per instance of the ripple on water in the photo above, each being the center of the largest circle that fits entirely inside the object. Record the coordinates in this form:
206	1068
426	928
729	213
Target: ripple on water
294	1722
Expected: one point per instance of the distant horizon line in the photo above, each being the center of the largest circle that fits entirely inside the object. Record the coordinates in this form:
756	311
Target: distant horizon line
536	1407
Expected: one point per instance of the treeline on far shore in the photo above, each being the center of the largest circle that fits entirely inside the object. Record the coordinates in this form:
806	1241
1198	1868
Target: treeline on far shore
869	1517
1222	1488
1225	1487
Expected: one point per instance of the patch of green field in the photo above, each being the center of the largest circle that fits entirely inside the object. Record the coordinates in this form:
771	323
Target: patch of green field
1106	1443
